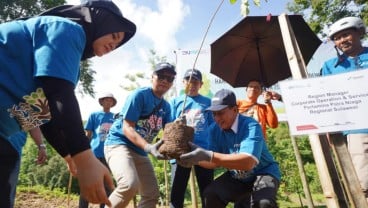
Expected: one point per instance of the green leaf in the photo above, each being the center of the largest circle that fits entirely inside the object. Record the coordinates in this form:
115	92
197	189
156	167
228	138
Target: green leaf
257	2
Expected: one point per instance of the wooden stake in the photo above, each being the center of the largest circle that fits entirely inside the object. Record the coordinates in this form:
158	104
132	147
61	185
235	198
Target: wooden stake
349	176
302	173
166	186
192	188
69	188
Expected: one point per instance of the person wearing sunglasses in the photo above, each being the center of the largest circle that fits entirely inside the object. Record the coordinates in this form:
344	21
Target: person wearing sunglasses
144	114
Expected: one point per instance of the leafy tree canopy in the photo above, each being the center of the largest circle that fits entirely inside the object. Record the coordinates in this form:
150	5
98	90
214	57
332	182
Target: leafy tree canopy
13	9
321	13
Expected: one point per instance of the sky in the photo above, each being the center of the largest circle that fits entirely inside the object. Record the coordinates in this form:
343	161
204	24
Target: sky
164	26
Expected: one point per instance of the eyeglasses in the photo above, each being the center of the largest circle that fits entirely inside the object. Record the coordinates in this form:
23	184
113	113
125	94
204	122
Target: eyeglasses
162	77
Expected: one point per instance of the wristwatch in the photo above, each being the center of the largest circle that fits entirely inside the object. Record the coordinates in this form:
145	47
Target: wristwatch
41	146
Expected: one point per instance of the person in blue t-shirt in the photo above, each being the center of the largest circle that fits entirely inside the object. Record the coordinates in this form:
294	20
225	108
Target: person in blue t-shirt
236	143
200	120
346	34
144	114
97	129
40	67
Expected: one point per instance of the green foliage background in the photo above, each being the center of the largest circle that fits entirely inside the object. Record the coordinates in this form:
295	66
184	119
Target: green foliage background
53	175
321	13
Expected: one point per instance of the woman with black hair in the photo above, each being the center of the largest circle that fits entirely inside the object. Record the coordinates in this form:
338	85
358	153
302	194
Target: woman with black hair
39	59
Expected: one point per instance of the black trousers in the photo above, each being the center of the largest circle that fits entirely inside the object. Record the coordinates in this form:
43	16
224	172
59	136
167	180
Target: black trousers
9	170
260	192
180	176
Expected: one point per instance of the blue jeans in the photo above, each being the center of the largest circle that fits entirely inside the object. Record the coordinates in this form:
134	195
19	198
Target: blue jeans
9	171
179	180
258	193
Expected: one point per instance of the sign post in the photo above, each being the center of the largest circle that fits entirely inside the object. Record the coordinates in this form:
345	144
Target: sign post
298	71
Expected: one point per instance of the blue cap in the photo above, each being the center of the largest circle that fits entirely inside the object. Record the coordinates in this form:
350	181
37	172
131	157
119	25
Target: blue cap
195	73
222	99
165	66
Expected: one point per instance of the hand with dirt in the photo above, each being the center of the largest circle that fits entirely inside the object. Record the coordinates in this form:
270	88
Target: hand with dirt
153	150
92	175
196	155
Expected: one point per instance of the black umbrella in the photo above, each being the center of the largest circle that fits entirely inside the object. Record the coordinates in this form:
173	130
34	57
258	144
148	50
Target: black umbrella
254	50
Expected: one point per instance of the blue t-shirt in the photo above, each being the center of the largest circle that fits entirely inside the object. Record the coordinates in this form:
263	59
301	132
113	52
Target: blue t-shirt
18	140
195	115
150	114
40	46
99	124
348	64
249	139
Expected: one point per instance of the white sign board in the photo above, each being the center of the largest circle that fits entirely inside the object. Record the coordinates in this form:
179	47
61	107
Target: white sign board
327	104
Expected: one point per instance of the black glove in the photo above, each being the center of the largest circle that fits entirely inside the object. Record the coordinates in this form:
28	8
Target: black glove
196	155
153	150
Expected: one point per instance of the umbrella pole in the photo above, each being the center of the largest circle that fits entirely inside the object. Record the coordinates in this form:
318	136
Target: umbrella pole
261	67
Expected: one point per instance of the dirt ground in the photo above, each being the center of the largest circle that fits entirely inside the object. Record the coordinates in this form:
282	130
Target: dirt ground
33	200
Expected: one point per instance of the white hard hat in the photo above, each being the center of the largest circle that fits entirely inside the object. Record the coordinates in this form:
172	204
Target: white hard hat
107	95
345	23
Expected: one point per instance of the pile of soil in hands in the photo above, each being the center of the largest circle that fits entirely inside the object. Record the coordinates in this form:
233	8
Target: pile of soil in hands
176	137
